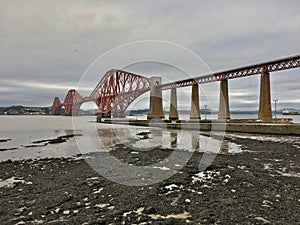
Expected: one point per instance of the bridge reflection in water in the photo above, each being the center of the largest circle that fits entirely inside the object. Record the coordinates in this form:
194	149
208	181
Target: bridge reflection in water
146	139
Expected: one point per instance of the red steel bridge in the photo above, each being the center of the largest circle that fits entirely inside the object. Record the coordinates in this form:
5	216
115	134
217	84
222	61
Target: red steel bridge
113	94
118	89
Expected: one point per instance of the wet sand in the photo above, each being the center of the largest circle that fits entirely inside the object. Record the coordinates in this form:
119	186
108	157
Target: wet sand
260	185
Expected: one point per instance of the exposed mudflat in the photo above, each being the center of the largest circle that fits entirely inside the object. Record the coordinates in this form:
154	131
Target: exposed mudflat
258	186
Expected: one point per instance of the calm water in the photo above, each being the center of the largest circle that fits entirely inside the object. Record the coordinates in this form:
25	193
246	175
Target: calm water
296	118
23	131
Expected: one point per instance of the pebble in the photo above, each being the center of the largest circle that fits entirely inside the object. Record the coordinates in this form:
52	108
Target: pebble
98	191
262	220
225	181
21	222
139	210
66	212
187	200
101	205
21	209
233	191
266	203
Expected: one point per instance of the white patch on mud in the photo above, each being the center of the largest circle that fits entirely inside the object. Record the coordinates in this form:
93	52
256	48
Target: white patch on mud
290	174
101	206
204	176
10	182
294	140
171	186
267	166
161	168
183	215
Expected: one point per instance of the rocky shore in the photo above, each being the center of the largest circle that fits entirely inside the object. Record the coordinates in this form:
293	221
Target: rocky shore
261	185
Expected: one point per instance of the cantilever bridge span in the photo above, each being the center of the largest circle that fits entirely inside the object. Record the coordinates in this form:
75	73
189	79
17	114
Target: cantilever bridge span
114	93
118	89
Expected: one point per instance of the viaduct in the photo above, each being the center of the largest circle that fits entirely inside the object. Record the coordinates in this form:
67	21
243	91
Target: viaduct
118	89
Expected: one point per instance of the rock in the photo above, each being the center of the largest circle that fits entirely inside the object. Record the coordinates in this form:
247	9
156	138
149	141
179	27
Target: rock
150	210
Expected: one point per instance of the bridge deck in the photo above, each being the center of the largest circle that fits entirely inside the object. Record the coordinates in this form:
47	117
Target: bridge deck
270	66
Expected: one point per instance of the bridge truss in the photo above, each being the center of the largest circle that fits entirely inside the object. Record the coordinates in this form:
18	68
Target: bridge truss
271	66
118	89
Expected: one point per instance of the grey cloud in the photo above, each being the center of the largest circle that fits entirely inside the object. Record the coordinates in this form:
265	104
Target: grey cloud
54	42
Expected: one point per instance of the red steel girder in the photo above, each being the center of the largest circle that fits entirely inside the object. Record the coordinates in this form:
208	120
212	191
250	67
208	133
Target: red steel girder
117	90
73	101
56	106
270	66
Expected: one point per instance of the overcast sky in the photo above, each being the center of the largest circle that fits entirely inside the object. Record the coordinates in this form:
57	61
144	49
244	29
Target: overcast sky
46	46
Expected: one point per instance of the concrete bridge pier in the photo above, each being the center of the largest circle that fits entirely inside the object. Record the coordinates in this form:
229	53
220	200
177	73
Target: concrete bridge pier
195	108
173	114
173	139
156	104
265	109
224	112
103	115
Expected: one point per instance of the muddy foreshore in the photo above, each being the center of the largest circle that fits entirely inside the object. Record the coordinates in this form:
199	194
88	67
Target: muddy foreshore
259	186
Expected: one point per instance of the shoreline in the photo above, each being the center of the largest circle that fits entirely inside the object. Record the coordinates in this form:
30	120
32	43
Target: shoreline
279	127
258	186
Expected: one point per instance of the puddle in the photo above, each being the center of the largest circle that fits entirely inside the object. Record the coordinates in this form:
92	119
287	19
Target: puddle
38	144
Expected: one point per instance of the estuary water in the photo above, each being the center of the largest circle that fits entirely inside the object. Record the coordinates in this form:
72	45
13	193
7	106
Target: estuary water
36	137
